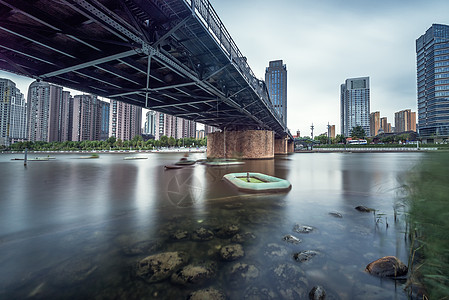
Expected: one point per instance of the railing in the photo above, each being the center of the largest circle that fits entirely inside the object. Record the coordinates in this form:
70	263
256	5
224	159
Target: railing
207	15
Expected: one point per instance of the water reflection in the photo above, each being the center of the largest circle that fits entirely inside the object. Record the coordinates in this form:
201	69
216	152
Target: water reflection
70	223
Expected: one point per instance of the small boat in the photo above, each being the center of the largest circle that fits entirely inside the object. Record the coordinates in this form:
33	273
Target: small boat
185	162
134	157
173	167
257	182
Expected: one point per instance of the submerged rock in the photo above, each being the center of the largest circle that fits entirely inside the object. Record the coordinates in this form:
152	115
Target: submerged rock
302	228
362	208
207	294
179	235
317	293
291	281
291	239
231	252
304	256
160	266
336	214
243	237
255	293
242	273
202	234
275	250
388	266
194	274
227	231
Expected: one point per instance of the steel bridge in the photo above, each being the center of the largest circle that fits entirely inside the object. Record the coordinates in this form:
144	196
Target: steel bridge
172	56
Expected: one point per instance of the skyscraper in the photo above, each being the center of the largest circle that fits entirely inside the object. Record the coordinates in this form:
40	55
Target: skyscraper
432	63
12	113
386	127
150	123
90	118
374	122
355	105
276	81
126	120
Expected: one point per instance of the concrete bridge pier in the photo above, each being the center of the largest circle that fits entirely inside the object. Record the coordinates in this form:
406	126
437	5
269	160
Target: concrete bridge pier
243	144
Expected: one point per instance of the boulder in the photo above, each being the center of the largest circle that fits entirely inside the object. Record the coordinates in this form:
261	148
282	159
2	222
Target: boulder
231	252
317	293
179	235
362	208
207	294
274	250
304	256
242	273
291	239
243	237
160	266
227	231
194	274
302	228
202	234
291	281
387	266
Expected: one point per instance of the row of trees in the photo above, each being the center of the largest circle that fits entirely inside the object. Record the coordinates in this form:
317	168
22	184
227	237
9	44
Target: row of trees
137	143
359	133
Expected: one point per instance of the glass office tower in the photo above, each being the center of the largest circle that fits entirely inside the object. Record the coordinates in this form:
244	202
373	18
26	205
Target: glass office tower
355	105
276	81
432	62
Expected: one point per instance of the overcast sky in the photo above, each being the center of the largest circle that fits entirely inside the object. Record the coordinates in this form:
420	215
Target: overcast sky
324	42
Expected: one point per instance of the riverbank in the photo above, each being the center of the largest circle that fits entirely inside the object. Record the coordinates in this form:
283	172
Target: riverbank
367	150
176	150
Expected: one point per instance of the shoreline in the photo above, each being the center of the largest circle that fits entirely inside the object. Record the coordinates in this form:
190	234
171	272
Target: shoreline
108	151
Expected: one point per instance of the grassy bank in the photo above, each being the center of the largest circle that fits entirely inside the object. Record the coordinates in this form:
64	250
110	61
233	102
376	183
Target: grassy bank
428	222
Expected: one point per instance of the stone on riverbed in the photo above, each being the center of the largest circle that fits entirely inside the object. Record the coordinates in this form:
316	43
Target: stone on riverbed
302	228
179	235
362	208
227	231
387	266
160	266
242	273
336	214
317	293
202	234
291	281
243	237
194	274
304	256
231	252
291	239
207	294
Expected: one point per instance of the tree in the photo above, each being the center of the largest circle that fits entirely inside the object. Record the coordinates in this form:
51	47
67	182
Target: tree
164	141
322	138
339	138
171	141
358	132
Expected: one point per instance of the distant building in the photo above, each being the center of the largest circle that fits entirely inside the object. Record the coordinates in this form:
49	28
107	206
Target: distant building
405	120
90	118
384	125
173	126
66	117
355	105
200	134
150	123
209	129
45	102
432	62
125	120
13	113
276	81
331	131
374	123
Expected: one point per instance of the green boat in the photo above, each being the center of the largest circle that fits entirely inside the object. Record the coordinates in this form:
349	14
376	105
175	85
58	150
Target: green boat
257	182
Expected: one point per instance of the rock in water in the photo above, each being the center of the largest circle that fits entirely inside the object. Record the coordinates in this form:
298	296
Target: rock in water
160	266
291	239
336	214
317	293
304	256
194	274
232	252
362	208
202	234
207	294
388	266
302	228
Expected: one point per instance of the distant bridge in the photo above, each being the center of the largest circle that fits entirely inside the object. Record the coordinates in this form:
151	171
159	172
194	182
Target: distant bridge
172	56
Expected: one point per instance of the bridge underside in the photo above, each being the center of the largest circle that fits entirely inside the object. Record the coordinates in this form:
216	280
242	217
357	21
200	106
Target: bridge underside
172	56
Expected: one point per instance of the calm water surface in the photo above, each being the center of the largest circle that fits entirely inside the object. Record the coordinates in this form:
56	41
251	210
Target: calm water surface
75	229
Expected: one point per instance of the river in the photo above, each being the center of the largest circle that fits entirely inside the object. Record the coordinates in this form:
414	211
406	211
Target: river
76	228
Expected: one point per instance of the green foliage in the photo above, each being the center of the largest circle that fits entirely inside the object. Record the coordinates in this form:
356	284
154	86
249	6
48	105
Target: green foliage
428	201
322	138
358	132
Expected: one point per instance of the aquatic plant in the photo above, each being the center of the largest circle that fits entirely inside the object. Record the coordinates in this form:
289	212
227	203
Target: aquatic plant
428	226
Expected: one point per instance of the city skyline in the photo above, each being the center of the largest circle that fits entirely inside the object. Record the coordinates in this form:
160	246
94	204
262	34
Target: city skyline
323	43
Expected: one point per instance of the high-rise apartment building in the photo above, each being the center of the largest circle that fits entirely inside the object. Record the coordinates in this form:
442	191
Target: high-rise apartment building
405	120
45	103
386	127
355	105
13	123
172	126
66	117
374	123
126	120
90	118
276	81
150	123
432	62
209	129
